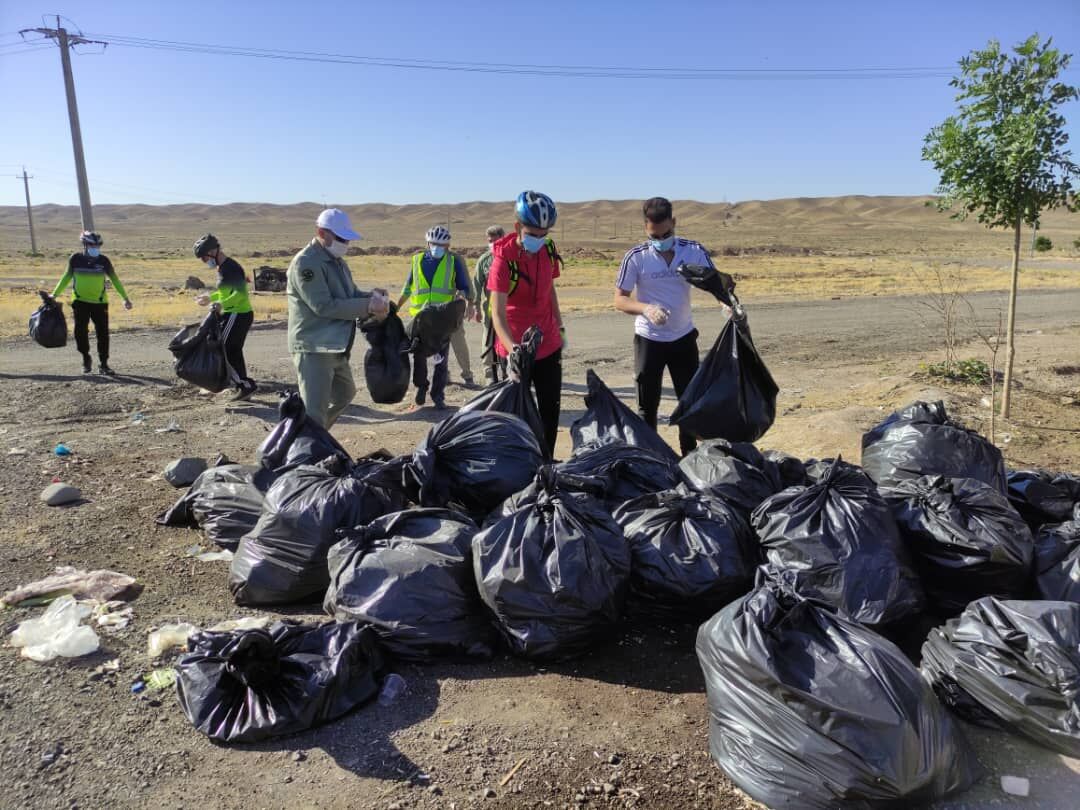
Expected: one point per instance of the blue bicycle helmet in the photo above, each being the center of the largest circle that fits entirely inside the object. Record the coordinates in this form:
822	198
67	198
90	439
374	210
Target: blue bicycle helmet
535	209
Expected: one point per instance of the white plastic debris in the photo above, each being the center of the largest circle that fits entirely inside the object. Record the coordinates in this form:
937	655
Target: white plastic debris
114	615
57	633
243	623
1016	785
210	556
169	636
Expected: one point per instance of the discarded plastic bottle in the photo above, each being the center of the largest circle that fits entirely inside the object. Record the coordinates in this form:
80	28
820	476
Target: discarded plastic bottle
393	686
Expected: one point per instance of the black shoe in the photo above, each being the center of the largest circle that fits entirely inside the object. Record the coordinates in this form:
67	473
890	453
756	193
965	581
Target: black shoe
469	383
421	396
104	369
87	366
245	391
440	404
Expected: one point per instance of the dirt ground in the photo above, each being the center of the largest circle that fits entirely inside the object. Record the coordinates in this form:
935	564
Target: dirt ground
622	727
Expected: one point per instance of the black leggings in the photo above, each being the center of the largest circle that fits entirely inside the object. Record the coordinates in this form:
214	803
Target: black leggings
83	313
234	330
547	383
651	357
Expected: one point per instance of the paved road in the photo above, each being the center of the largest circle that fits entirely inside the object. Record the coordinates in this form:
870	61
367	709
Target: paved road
854	328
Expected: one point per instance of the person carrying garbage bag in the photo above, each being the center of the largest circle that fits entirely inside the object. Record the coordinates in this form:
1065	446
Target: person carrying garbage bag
436	276
233	305
86	273
324	305
522	285
650	288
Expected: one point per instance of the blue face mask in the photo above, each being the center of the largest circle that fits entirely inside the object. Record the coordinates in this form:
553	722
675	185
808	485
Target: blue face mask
532	243
663	245
437	251
93	253
211	264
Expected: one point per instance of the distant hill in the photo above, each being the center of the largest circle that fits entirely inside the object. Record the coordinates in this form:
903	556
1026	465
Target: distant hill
854	224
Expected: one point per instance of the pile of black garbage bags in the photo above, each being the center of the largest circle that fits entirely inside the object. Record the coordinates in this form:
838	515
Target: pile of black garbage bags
851	613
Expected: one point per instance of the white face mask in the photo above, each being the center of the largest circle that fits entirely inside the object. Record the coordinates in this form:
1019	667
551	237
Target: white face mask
337	249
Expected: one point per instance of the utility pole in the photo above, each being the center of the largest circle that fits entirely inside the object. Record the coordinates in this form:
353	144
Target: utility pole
66	41
29	211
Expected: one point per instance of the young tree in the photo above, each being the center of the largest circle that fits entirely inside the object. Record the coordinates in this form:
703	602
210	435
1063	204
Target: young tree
1003	156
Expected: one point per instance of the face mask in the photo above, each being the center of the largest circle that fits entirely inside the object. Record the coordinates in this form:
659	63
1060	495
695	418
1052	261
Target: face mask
663	245
211	264
532	243
93	252
437	251
337	249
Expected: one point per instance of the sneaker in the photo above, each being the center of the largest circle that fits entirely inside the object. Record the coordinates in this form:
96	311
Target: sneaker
245	391
87	366
104	369
421	397
469	383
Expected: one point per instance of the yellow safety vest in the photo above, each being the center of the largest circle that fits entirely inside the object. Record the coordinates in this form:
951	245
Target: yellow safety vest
440	290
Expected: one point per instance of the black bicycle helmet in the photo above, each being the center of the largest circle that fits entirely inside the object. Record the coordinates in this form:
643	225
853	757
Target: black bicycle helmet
206	244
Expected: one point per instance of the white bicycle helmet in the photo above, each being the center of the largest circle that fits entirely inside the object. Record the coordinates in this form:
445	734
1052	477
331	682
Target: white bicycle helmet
438	235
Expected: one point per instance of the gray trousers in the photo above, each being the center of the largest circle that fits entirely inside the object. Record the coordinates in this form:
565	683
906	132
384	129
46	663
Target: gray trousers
460	345
326	384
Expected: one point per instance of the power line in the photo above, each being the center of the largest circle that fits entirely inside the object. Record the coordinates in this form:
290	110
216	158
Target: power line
563	71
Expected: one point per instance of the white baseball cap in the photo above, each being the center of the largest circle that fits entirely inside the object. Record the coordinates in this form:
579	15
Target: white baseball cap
337	221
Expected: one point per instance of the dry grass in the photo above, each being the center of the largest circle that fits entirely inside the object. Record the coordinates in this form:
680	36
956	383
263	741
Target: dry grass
155	282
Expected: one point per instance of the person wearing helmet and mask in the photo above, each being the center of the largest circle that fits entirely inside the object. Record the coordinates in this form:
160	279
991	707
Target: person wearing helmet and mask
435	276
232	302
524	267
324	305
86	272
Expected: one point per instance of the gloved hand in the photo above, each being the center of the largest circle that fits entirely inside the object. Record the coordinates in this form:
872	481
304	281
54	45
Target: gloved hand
379	305
512	369
657	315
565	340
127	305
202	299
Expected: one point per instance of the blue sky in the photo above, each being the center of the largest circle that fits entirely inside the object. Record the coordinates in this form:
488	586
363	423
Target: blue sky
162	127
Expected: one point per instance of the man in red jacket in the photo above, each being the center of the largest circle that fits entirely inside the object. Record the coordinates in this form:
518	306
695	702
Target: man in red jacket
524	267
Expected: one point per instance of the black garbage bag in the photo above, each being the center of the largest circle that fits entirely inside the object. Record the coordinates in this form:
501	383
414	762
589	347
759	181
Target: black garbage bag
965	539
283	559
225	502
737	473
48	327
200	355
430	330
920	440
708	278
249	685
1012	665
792	470
614	473
296	439
555	575
691	553
516	397
387	367
1043	497
732	395
1057	561
809	710
839	543
474	460
607	419
410	576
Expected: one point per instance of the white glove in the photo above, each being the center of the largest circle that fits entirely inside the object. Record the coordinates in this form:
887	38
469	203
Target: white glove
657	315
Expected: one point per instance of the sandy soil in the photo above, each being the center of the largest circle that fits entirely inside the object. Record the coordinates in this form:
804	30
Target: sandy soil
631	716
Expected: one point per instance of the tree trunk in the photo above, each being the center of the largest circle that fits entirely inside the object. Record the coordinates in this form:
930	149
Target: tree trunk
1010	329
